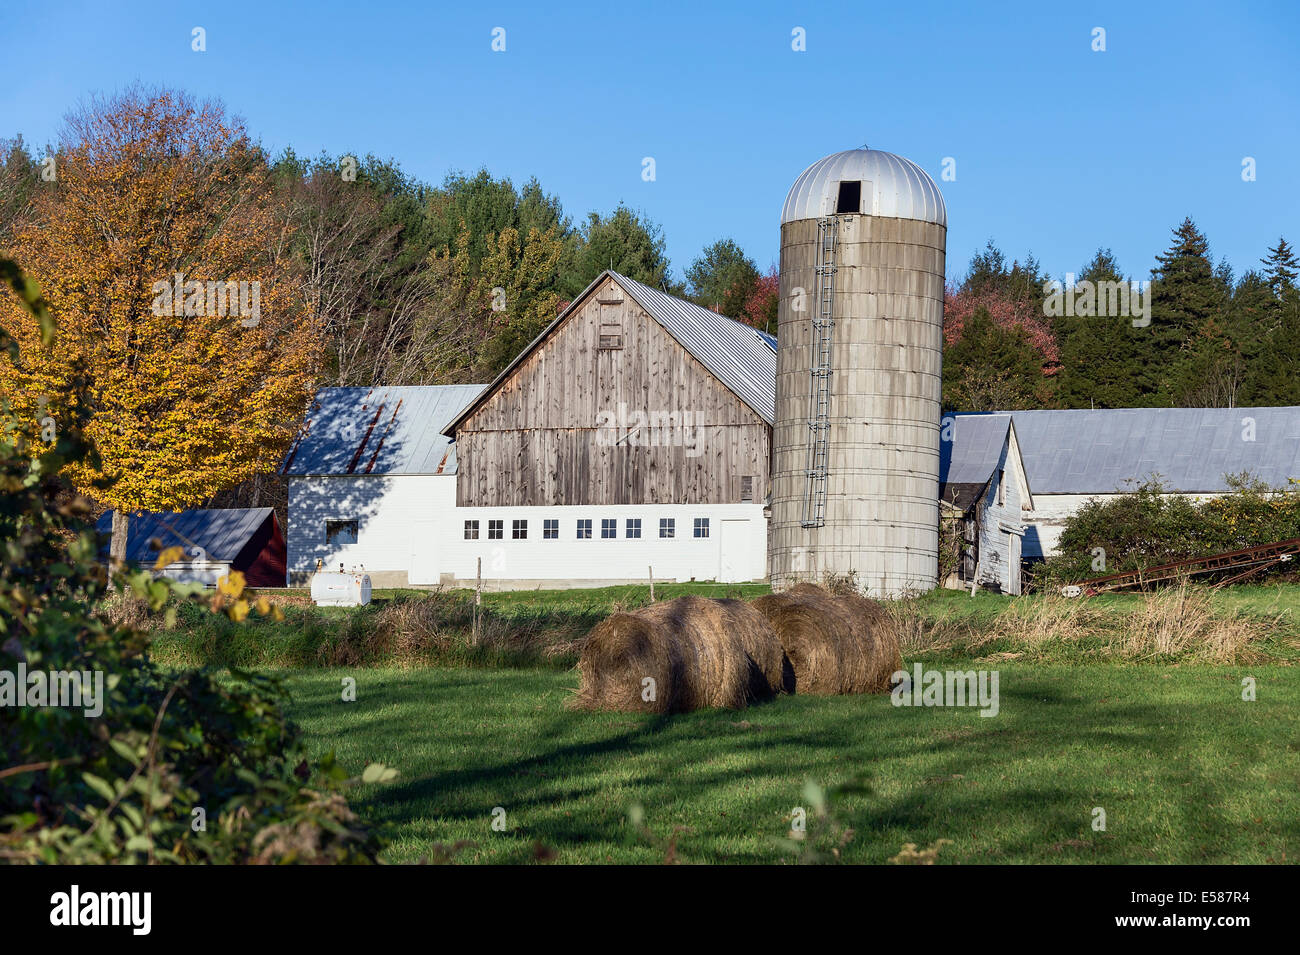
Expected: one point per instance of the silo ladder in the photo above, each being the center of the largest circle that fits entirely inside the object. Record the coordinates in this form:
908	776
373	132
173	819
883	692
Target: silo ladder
819	403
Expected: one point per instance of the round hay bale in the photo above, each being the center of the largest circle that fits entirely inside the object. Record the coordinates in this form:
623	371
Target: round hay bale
693	649
770	671
834	644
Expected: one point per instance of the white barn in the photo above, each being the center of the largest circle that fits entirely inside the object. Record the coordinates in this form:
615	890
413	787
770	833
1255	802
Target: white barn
631	437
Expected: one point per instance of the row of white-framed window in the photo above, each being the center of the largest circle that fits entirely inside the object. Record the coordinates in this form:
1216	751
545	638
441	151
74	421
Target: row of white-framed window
583	530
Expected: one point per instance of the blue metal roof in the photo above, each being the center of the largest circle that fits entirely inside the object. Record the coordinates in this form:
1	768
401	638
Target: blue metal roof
221	532
1192	449
380	430
970	447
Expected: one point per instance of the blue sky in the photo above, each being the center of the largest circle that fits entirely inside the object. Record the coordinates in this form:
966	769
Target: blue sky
1058	149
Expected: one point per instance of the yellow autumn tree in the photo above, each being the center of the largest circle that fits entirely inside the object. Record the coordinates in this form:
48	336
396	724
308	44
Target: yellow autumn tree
181	324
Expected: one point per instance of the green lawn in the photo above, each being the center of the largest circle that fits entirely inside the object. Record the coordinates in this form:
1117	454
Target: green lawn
1185	770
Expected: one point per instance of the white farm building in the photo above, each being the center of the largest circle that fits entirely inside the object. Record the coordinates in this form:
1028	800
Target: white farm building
632	436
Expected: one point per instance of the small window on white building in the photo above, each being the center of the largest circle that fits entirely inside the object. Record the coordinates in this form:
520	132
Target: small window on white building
608	527
550	529
701	527
584	529
471	530
496	530
633	528
519	530
340	533
667	527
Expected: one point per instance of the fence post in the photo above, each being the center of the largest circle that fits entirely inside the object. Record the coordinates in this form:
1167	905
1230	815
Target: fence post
478	598
652	584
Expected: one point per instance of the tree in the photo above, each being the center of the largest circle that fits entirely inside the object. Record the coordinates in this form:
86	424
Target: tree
991	368
192	384
1281	268
762	306
470	209
360	244
1185	293
723	278
1105	361
480	322
19	180
624	241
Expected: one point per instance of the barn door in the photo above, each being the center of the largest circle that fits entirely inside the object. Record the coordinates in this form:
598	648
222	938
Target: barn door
733	551
423	567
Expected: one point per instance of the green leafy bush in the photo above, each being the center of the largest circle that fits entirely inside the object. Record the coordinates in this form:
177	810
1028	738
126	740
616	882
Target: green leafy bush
175	766
1150	526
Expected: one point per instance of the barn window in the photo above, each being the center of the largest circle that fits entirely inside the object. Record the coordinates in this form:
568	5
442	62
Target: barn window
550	529
584	529
667	527
701	527
608	527
496	530
850	198
519	530
747	488
471	530
340	533
633	528
611	325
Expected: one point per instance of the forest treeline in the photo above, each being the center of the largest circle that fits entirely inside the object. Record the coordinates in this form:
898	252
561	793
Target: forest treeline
413	283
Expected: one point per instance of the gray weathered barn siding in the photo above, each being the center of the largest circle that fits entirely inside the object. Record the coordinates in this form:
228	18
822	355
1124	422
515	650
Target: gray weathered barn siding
534	438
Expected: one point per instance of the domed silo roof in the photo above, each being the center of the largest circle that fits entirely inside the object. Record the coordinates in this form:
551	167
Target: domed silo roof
900	189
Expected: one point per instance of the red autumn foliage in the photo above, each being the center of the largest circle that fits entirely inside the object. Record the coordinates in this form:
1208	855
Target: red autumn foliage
1007	313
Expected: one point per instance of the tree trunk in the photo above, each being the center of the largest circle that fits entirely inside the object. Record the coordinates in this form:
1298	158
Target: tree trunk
117	546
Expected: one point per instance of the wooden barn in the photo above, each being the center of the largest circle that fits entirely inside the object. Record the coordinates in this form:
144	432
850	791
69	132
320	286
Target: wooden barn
215	541
633	433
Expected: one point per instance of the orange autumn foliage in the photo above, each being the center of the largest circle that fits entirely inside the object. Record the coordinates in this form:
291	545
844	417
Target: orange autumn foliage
184	401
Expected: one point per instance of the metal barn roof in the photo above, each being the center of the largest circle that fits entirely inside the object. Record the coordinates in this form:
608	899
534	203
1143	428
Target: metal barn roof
972	454
900	189
221	532
1192	449
742	357
380	430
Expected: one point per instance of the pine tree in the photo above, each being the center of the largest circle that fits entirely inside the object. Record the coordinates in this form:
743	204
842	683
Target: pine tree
1281	268
1185	294
1105	361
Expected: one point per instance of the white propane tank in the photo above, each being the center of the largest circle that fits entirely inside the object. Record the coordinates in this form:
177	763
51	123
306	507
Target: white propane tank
340	590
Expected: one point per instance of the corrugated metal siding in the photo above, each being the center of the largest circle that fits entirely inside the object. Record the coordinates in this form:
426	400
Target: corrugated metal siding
743	358
381	430
221	532
1097	452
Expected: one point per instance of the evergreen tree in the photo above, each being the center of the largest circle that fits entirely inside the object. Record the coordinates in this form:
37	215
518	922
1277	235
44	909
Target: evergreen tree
723	278
991	368
1185	293
624	241
1281	268
1105	361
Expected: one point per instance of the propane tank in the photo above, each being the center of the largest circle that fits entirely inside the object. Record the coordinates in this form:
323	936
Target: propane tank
340	590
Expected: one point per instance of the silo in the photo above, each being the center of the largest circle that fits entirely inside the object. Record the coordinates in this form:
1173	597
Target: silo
855	449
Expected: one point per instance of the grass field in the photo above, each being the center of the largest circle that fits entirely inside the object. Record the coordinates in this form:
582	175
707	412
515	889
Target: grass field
1185	770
